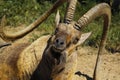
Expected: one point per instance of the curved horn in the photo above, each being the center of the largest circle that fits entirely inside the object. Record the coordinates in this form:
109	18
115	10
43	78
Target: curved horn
33	25
102	9
70	11
2	25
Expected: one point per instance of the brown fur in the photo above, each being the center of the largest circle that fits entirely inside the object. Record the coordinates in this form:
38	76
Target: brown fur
14	49
25	62
8	61
31	56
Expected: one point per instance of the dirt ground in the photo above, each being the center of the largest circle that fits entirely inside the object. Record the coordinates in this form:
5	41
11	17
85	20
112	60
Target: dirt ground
109	69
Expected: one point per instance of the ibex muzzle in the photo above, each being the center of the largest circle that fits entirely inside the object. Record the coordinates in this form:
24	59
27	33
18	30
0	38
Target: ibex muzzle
60	43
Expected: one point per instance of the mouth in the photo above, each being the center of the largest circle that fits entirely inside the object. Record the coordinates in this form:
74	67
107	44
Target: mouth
57	49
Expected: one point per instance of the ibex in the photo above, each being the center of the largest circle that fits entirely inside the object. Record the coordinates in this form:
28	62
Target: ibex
47	58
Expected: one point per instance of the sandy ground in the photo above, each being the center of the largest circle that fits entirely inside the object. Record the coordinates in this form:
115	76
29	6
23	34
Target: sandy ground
109	69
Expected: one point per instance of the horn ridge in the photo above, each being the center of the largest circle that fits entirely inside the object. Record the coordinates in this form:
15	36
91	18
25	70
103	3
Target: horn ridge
71	6
98	10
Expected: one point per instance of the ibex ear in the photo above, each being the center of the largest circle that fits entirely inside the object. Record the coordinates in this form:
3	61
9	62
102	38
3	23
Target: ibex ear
3	21
84	37
57	19
81	40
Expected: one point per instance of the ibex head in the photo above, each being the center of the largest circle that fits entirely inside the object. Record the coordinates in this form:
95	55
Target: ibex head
69	32
64	35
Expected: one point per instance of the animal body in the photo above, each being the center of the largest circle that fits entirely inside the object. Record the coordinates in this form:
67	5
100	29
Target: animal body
51	56
52	62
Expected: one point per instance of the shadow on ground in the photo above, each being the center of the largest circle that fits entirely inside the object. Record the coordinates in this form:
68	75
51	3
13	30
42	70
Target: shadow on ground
85	75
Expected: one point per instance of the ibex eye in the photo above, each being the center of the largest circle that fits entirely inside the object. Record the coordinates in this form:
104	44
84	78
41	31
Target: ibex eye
76	40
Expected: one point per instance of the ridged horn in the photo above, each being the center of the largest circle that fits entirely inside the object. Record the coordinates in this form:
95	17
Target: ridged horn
3	21
104	10
70	11
14	36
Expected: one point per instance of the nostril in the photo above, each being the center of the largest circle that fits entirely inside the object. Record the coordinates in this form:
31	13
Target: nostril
57	41
61	43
